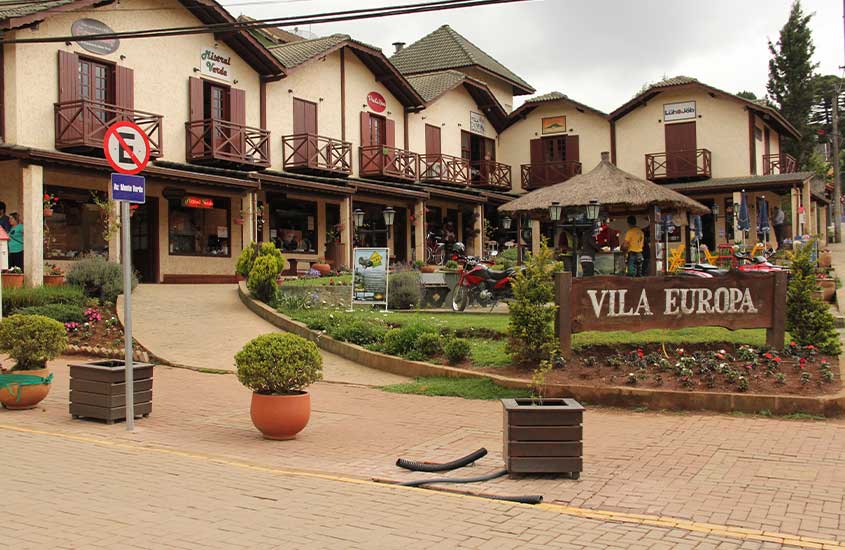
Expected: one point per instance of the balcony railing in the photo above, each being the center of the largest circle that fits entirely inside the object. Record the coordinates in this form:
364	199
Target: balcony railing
383	162
779	164
316	154
440	168
219	142
537	175
81	125
678	165
489	174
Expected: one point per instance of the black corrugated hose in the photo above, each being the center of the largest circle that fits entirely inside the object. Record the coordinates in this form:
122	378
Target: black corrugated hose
526	499
438	467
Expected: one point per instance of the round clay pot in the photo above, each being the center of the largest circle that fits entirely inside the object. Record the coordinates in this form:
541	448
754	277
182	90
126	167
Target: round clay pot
428	268
54	280
324	269
828	287
280	416
48	212
30	396
13	280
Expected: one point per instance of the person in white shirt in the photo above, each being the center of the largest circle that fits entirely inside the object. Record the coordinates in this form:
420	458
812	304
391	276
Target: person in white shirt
778	219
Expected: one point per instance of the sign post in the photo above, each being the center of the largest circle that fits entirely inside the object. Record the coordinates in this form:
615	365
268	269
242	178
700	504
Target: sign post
127	149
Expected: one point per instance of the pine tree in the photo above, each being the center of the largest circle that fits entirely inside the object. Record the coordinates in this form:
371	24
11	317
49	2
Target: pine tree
808	319
791	79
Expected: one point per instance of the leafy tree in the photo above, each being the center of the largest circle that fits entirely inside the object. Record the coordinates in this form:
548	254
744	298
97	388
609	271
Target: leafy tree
745	94
808	319
791	79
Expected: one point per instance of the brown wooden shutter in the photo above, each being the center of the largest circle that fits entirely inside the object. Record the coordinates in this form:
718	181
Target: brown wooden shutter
390	133
536	146
196	98
124	79
68	76
432	139
365	128
299	123
572	149
237	106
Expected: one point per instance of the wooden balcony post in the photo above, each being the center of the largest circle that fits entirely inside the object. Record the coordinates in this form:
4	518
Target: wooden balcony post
32	210
419	230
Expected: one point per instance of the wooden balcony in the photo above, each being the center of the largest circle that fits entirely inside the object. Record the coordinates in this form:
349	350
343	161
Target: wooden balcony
312	154
678	165
390	163
446	169
81	125
537	175
779	164
489	174
222	143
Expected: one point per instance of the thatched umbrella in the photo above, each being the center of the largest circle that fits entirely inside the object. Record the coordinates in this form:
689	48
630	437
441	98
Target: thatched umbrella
615	189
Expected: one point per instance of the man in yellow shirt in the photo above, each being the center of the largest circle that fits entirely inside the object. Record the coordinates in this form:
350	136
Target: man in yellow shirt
634	240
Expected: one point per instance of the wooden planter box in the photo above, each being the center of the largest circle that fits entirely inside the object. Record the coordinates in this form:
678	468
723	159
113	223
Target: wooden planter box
543	439
98	390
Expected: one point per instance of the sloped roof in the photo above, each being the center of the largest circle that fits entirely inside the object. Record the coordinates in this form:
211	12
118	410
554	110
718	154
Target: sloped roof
269	35
14	8
786	181
533	102
433	85
446	49
681	81
299	53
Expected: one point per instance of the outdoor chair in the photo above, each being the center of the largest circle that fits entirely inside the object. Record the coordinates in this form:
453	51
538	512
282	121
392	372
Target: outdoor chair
676	258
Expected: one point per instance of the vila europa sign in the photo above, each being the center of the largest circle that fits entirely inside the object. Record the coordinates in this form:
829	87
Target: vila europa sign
376	102
215	63
734	301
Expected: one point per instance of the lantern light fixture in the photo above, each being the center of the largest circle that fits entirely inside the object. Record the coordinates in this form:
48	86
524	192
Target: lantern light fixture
358	218
555	211
506	222
593	210
388	214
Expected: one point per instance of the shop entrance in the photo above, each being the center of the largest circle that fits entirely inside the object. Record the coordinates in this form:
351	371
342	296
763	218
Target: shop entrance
144	232
708	226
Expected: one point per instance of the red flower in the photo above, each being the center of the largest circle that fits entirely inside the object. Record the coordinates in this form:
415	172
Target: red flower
811	346
777	359
793	344
640	353
768	356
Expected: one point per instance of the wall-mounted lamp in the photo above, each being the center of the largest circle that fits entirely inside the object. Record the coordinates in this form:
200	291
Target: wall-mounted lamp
290	90
389	113
67	43
196	69
321	100
423	117
235	81
715	210
122	57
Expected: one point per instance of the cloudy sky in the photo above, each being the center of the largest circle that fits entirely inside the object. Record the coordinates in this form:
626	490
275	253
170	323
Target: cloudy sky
601	52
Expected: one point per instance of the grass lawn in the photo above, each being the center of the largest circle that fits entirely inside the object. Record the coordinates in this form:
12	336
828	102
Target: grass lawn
489	353
693	335
468	388
318	281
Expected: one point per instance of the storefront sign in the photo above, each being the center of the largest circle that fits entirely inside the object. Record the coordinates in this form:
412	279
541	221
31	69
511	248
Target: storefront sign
87	27
476	123
553	124
376	102
678	111
216	64
735	300
197	202
369	276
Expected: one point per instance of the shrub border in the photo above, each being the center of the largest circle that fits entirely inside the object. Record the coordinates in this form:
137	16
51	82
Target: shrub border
616	396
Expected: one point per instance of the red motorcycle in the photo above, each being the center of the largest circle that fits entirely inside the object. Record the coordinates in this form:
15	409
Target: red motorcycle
757	264
481	284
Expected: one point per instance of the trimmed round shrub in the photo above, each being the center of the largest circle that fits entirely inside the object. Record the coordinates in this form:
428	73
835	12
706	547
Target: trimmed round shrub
403	341
358	331
32	340
456	350
99	278
63	313
404	290
427	345
278	364
252	252
262	278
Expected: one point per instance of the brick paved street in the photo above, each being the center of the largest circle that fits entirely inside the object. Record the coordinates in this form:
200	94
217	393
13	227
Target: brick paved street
760	474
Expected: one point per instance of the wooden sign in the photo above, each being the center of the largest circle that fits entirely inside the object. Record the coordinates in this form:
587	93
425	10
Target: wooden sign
735	300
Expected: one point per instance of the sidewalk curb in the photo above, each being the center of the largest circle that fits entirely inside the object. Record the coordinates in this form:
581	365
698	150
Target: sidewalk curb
616	396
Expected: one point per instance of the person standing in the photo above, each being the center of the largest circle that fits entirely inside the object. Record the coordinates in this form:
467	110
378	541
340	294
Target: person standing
778	220
633	245
587	256
15	241
4	219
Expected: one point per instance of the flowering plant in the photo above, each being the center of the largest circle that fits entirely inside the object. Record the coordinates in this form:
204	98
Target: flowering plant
50	200
72	326
53	270
93	315
14	270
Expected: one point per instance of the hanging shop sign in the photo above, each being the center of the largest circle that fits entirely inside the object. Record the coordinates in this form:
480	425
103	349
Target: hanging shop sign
88	27
683	110
197	202
476	123
369	276
216	64
734	301
376	102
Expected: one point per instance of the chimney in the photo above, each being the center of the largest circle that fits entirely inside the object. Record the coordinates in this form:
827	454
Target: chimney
398	46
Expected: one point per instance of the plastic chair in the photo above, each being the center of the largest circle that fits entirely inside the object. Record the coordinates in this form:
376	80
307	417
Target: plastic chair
676	258
712	259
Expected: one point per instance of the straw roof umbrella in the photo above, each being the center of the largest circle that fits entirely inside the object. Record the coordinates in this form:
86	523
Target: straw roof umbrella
615	189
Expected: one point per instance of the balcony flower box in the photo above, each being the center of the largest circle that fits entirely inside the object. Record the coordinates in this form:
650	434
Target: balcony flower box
98	390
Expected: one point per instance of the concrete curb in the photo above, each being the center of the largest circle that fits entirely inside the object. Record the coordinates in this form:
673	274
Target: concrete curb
616	396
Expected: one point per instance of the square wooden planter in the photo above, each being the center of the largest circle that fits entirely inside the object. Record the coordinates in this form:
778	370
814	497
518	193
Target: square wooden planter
543	439
98	390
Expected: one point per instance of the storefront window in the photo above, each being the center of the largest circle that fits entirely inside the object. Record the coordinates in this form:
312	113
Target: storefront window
199	226
293	225
76	226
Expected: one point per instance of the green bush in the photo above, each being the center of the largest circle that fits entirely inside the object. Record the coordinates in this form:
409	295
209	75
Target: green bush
19	298
403	341
532	312
451	264
99	278
244	264
404	290
262	278
278	364
808	319
507	258
427	345
64	313
456	350
32	340
357	331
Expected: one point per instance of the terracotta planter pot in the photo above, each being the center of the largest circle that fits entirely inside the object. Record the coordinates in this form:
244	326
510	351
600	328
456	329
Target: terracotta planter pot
428	269
13	280
54	280
48	212
324	269
828	289
15	397
239	221
280	416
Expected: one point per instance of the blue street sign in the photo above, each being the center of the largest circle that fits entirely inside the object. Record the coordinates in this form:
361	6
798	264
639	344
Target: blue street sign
128	188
